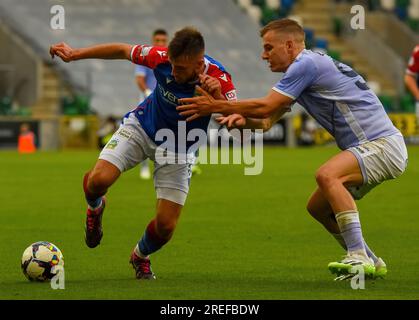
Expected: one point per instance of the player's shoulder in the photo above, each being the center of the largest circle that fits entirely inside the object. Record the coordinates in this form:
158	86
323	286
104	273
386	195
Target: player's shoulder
416	52
306	61
213	67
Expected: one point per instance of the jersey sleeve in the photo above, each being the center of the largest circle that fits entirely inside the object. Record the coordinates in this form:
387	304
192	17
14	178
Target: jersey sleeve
228	90
149	56
413	64
299	76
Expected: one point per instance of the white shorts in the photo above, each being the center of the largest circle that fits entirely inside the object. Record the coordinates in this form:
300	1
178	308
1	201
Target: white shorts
379	160
130	145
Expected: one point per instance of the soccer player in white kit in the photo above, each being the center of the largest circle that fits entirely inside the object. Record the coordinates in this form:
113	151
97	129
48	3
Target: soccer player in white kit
373	150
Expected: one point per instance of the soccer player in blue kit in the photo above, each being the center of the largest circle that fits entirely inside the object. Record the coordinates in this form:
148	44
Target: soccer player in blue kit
178	69
373	150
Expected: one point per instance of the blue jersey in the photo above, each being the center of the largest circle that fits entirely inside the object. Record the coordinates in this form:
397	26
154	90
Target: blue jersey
337	97
158	110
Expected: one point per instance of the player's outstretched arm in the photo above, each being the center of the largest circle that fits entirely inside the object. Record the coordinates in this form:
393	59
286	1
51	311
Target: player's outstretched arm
259	108
240	122
101	51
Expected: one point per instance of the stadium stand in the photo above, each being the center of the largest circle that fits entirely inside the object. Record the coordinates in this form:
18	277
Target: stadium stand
325	23
231	38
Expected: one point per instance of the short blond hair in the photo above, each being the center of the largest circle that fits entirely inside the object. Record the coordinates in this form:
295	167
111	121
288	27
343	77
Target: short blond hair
287	26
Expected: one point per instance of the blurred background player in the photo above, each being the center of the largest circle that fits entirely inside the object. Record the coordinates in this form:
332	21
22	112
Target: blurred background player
411	78
178	69
373	149
146	82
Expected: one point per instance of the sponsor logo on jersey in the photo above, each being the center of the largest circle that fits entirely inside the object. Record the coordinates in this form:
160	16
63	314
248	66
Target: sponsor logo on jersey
124	133
161	53
168	96
224	77
112	144
231	95
145	50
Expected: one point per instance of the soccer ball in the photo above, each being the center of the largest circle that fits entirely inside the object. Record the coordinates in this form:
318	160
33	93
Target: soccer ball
39	259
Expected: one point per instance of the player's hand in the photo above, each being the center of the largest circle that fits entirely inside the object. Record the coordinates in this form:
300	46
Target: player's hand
62	50
232	121
211	85
199	106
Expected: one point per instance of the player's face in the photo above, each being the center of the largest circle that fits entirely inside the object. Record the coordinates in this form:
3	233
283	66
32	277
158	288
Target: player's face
187	69
277	51
160	40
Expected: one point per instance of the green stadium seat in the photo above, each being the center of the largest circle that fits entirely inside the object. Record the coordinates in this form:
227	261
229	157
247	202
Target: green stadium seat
402	3
373	5
388	103
24	112
337	26
309	37
259	3
82	104
407	103
334	54
5	106
268	15
413	24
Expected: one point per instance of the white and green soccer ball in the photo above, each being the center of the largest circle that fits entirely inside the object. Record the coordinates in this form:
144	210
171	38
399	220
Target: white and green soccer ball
41	261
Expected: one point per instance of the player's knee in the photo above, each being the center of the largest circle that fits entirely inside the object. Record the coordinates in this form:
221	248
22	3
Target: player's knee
98	181
324	179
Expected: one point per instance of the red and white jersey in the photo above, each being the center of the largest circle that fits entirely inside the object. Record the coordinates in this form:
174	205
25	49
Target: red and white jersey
413	65
153	56
158	110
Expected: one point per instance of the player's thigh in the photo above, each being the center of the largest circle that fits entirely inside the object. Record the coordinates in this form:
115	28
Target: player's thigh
344	166
103	173
126	147
172	181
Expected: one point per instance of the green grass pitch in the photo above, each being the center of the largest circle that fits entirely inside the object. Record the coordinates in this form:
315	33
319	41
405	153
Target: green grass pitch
239	237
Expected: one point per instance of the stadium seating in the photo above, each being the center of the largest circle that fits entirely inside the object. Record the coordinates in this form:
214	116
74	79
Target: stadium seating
231	38
321	36
405	10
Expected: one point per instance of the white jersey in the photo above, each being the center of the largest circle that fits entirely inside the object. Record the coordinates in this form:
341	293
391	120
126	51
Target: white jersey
337	97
